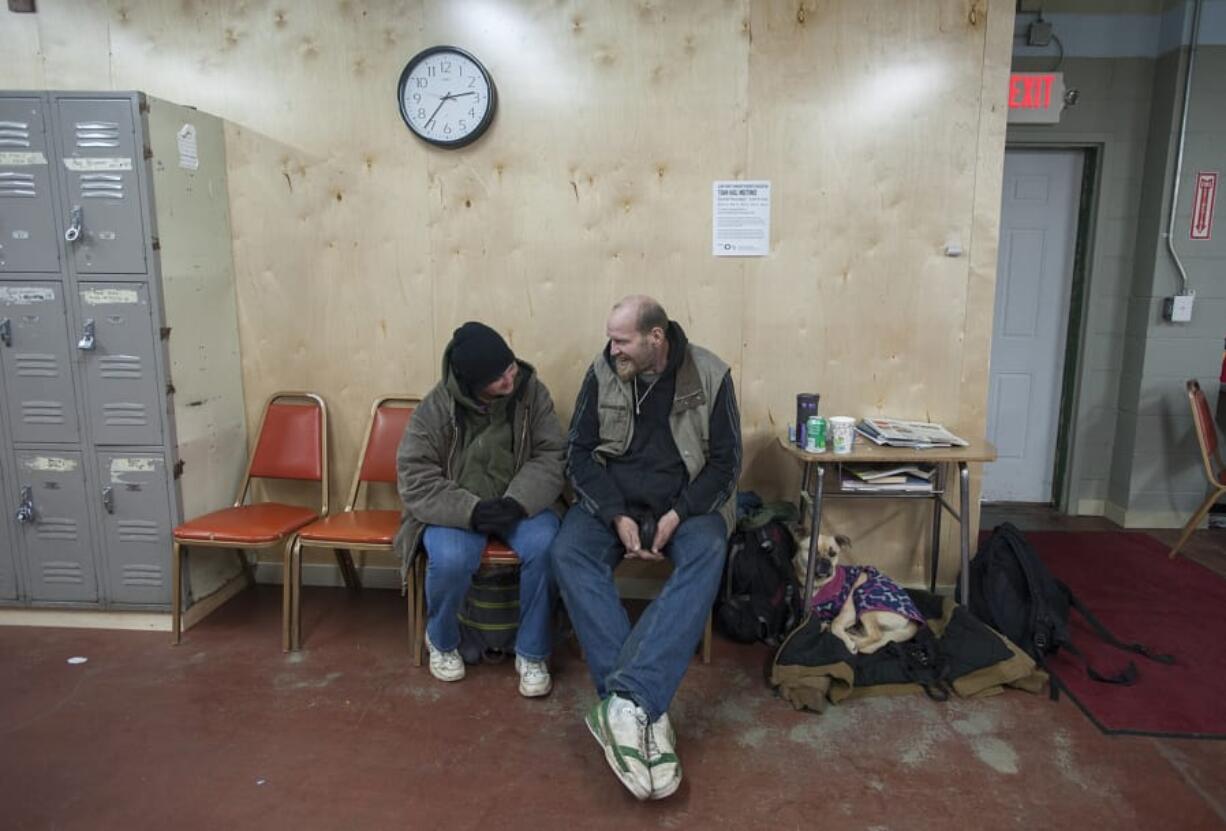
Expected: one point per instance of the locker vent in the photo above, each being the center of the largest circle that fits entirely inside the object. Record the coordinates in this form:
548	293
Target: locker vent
42	412
101	186
148	576
56	528
62	572
97	134
138	530
124	415
17	185
14	134
37	365
120	366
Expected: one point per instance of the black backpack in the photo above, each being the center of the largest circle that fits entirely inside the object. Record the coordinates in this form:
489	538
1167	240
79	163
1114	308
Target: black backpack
1014	593
760	600
489	618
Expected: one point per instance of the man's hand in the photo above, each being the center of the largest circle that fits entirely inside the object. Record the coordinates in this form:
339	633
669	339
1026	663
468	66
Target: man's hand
664	532
628	532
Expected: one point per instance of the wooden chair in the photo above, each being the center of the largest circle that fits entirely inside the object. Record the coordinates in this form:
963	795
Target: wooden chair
496	554
1215	469
356	529
291	443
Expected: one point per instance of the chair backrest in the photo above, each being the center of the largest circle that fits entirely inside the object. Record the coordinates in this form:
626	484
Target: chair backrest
389	417
292	442
1206	431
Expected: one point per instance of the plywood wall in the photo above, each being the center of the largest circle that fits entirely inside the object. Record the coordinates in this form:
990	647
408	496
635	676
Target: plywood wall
358	249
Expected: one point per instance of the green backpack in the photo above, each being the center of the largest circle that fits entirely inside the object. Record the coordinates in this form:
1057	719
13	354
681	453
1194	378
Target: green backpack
489	618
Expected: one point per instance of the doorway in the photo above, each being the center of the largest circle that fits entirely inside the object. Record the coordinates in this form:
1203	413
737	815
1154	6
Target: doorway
1040	207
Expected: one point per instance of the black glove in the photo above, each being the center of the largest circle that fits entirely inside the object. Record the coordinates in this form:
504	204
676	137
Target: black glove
497	516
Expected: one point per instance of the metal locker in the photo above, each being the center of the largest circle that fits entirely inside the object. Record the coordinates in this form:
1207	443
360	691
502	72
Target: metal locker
104	225
136	518
123	401
52	523
34	355
28	237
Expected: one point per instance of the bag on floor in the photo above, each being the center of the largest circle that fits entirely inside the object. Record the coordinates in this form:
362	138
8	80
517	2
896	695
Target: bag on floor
760	600
1014	593
489	617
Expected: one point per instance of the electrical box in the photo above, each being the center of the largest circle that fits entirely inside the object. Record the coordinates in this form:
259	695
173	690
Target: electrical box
1178	309
119	358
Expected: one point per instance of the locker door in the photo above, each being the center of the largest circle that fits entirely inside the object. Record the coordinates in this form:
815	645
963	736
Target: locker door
122	396
136	515
34	351
103	203
8	563
28	239
53	526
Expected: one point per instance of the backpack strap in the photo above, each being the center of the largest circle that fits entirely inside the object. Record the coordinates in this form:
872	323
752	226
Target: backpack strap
1015	542
1105	633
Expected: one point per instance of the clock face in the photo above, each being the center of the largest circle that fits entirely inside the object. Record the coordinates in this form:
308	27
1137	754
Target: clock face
446	96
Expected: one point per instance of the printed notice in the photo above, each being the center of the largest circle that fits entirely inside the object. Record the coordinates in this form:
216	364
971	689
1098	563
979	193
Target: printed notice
741	219
189	153
13	159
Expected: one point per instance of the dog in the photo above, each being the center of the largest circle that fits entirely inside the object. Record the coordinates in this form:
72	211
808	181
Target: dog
864	608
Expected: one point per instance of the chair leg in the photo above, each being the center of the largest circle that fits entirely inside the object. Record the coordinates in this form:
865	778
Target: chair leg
244	564
1195	520
287	592
417	608
176	591
706	641
349	574
295	623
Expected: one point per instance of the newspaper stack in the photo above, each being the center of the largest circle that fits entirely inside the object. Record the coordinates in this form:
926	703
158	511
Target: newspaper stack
898	433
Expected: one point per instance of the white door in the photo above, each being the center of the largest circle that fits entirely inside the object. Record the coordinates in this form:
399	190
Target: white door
1038	230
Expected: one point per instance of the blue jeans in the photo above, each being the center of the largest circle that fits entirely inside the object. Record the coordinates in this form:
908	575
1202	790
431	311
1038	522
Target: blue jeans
646	663
453	556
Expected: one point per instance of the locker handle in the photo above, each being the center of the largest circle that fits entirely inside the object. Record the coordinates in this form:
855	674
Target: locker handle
108	499
6	331
87	341
25	511
74	225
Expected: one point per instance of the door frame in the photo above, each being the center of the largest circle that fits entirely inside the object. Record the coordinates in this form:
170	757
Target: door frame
1065	463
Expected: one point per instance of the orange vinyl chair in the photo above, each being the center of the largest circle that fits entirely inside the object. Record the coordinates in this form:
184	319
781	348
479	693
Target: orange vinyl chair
356	529
496	553
1215	469
292	443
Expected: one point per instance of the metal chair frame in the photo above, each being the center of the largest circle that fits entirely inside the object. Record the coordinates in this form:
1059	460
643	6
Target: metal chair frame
177	547
342	547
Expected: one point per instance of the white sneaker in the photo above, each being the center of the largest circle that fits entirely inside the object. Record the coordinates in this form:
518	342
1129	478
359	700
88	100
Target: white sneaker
621	728
662	758
534	680
445	666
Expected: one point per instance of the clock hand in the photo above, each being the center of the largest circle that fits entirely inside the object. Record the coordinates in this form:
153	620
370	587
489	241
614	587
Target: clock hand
444	100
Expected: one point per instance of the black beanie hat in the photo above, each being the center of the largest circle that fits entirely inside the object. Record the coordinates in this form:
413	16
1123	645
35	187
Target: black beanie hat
478	355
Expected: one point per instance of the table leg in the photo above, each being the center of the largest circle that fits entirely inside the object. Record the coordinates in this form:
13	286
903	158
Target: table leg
937	510
815	524
964	523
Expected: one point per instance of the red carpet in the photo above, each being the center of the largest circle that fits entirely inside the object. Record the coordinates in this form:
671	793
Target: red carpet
1175	607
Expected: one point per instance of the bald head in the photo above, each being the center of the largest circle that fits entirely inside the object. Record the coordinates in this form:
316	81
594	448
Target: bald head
645	312
638	336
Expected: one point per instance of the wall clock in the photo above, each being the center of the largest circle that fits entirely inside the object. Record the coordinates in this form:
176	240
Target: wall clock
447	98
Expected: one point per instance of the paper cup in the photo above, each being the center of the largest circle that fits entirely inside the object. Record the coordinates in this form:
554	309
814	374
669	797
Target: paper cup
842	433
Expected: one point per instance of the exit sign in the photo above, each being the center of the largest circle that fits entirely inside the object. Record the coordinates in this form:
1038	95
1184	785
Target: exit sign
1036	97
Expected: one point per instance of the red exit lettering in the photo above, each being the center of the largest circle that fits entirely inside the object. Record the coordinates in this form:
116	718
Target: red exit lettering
1030	92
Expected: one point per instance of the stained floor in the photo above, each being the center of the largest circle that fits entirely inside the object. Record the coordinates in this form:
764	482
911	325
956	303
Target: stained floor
225	731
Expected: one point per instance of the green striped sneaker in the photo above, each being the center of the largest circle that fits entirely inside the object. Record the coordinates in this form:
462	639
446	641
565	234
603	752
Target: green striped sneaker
662	758
621	728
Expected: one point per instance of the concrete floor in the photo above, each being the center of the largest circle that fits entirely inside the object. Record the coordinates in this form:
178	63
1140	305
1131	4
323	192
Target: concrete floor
227	732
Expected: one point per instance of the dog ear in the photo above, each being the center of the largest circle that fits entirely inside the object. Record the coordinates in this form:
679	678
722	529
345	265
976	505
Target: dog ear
843	542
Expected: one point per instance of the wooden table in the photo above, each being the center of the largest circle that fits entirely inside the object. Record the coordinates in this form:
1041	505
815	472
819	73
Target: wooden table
944	459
